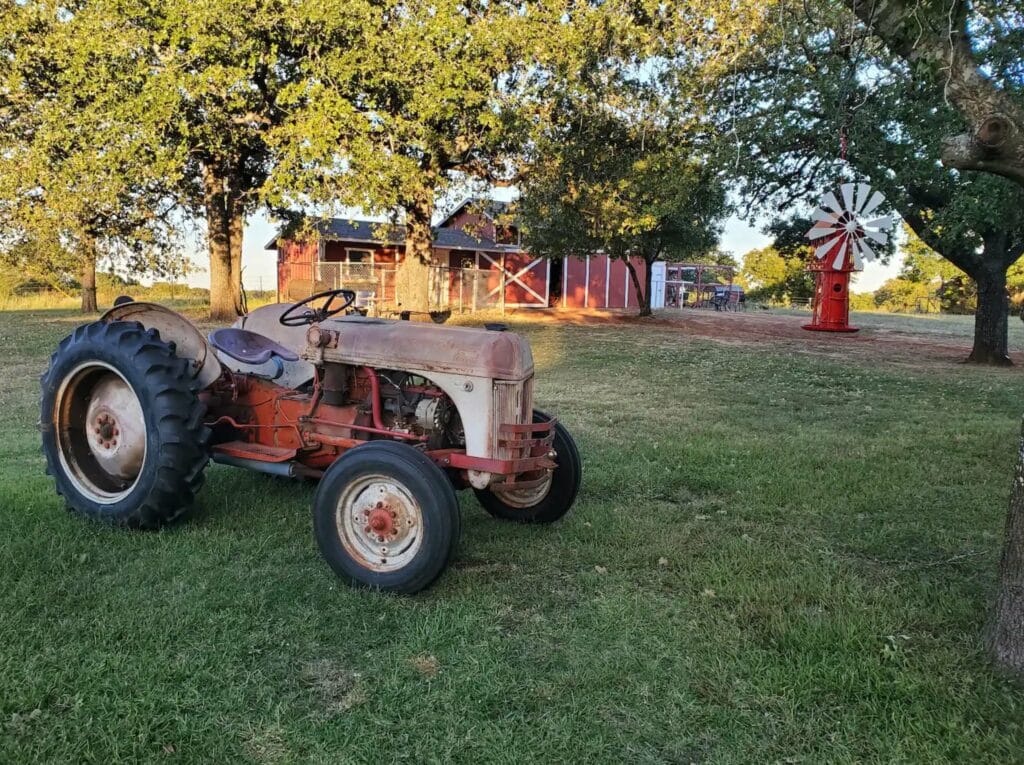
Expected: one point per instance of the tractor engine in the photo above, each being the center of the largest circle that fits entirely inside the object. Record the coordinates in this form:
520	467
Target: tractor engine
410	404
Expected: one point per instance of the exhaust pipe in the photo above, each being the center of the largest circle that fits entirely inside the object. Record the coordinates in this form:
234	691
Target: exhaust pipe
283	469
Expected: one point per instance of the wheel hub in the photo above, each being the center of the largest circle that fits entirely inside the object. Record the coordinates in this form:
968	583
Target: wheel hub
115	427
105	428
101	431
379	522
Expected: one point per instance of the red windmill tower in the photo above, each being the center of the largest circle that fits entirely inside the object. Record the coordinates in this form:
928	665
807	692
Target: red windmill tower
839	235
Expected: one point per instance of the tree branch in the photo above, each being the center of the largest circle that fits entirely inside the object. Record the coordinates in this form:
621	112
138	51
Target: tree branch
994	142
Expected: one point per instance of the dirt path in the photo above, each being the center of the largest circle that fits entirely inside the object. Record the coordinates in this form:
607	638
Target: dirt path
872	343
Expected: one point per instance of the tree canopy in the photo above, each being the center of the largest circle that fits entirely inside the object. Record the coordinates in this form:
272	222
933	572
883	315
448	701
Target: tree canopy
607	181
80	177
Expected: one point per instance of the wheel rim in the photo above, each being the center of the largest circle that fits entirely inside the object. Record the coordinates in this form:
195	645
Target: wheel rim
379	522
523	499
101	432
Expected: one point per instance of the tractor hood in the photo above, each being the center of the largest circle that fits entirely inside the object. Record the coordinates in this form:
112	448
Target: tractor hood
407	345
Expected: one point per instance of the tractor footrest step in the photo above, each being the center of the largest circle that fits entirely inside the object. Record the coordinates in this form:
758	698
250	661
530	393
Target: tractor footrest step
251	451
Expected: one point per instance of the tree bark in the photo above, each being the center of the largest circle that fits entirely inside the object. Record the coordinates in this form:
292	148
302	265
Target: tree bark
89	303
236	229
1004	638
991	318
645	310
942	45
224	292
412	277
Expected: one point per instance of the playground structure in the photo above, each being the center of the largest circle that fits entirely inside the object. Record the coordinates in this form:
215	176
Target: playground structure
702	285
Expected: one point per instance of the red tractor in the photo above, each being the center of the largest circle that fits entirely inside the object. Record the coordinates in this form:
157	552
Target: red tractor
390	416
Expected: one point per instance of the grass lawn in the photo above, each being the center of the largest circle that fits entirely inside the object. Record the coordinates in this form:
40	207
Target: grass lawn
780	554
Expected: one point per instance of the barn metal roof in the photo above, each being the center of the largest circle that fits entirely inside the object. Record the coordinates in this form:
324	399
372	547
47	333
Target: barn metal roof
375	232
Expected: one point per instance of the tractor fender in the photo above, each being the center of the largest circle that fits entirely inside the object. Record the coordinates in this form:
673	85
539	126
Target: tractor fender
189	342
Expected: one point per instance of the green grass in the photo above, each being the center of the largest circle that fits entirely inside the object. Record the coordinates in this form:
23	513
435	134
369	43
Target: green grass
776	557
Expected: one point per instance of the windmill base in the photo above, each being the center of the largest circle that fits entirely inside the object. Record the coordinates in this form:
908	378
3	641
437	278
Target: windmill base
826	328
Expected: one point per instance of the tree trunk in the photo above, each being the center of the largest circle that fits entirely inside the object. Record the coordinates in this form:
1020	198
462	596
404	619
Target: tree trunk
645	308
223	291
641	299
89	304
990	319
236	228
412	277
643	296
1005	635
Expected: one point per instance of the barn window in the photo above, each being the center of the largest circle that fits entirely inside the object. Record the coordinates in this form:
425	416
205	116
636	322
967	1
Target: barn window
358	256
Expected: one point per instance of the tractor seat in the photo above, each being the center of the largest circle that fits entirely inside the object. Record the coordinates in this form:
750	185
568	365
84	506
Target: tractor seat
249	347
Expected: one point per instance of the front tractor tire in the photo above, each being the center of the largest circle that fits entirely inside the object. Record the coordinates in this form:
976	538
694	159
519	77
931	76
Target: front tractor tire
122	426
546	503
385	517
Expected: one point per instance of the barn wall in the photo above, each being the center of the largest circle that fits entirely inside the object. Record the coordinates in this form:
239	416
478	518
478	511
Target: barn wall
473	224
596	281
574	289
297	272
618	288
294	263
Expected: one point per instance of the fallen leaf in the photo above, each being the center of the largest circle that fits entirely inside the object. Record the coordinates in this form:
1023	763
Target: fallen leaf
708	593
662	561
600	569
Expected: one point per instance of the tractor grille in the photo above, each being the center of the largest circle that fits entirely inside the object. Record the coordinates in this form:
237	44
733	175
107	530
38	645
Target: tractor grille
513	405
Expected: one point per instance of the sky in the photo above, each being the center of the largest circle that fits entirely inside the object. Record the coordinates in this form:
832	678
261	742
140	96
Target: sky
258	263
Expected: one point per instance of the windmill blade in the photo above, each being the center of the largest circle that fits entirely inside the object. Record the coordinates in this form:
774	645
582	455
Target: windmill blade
884	223
840	259
858	264
826	248
847	190
818	232
824	216
876	236
865	249
829	201
863	190
873	203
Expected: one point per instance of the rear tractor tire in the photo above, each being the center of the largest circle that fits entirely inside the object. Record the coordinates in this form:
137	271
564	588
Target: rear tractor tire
547	503
386	517
122	426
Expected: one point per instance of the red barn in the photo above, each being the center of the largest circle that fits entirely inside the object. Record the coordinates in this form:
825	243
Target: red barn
473	254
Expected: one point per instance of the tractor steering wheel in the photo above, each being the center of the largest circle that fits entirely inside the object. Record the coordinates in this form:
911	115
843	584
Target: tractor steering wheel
293	318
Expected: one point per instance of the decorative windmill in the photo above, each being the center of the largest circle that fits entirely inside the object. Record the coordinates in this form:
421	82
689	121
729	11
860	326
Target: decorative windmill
841	235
